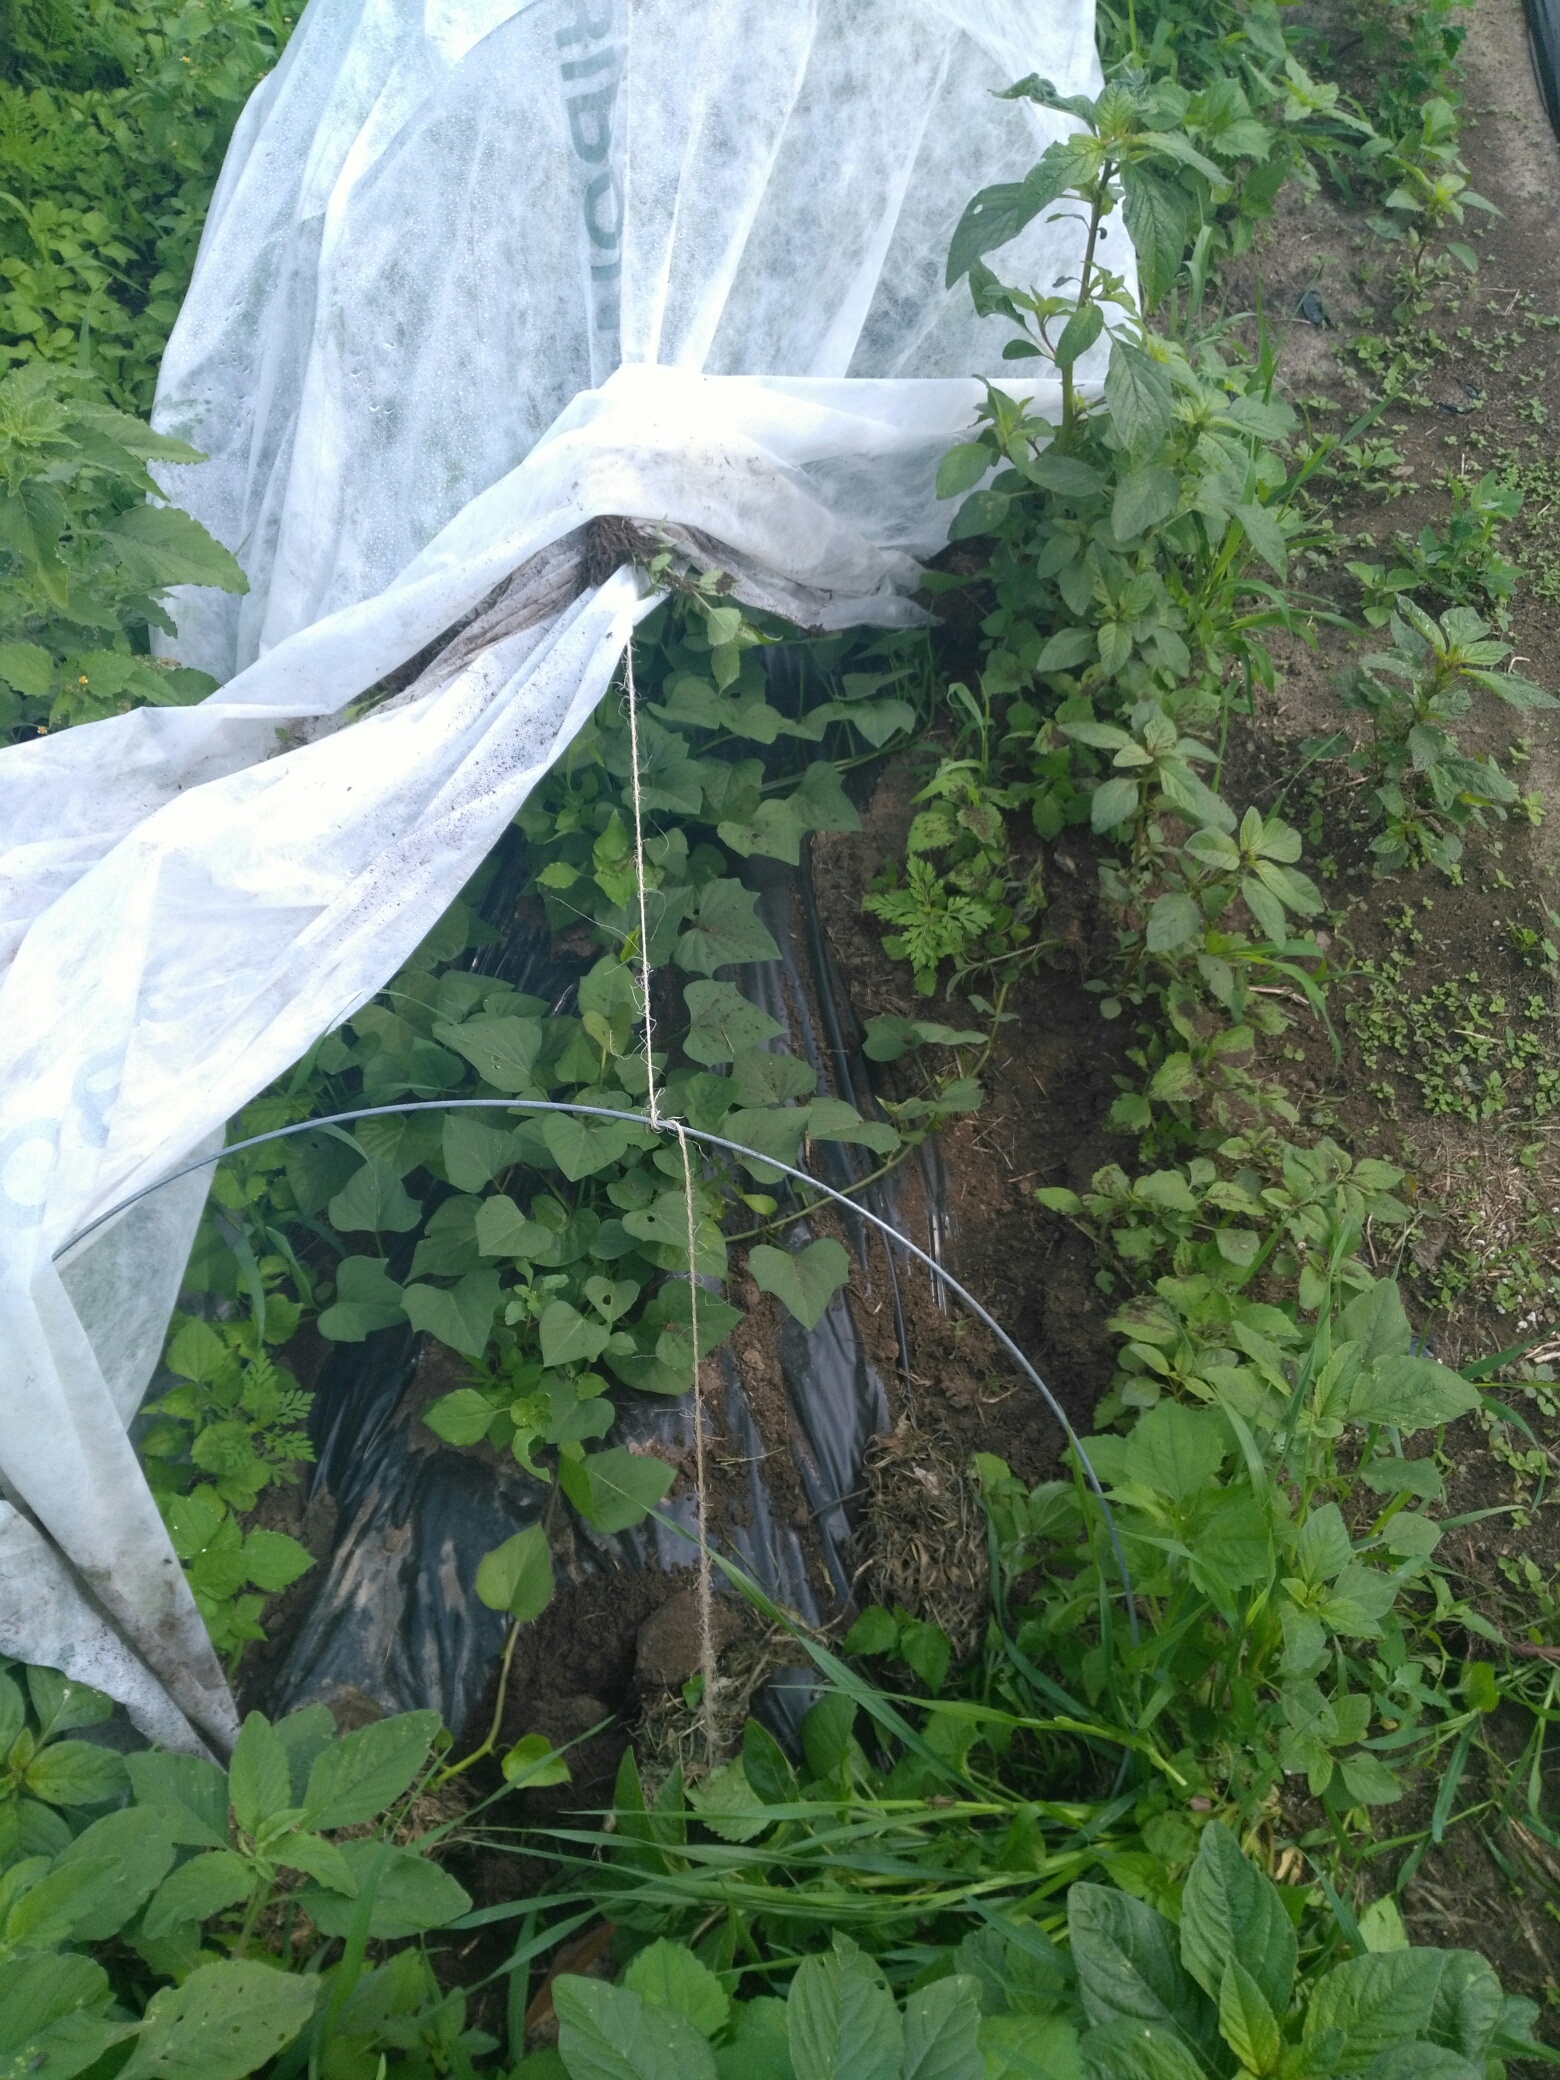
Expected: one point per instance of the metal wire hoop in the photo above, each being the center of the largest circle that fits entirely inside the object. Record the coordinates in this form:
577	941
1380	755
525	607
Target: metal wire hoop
885	1228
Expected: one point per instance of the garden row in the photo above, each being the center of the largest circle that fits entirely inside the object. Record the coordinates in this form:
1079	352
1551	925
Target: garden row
1048	1860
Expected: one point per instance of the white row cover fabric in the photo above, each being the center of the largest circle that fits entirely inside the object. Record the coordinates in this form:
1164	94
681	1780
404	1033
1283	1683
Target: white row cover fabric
475	274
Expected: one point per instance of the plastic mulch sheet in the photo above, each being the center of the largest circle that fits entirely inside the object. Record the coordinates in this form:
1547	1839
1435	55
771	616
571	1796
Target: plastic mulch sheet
1543	20
393	1621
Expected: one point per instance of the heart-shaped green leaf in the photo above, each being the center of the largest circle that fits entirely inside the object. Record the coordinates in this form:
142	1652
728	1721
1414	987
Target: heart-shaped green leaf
804	1282
517	1577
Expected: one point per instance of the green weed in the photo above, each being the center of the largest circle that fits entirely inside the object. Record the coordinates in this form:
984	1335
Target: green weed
1429	791
1223	1976
234	1423
85	561
1129	600
219	1897
1373	467
1466	1052
1427	191
1411	53
1459	563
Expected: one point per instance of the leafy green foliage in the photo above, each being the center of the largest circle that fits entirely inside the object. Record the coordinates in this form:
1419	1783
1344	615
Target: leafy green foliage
973	906
176	1881
551	1251
41	1769
805	1280
1135	1993
1289	1619
1459	563
224	2021
114	116
1426	184
1159	1997
801	1851
1429	789
226	1565
235	1415
287	1788
84	562
1254	1204
1171	158
212	1444
1228	1514
1133	549
113	121
922	1647
1137	553
517	1577
1412	53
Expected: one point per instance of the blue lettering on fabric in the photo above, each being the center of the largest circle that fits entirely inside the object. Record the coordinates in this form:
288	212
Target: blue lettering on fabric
591	55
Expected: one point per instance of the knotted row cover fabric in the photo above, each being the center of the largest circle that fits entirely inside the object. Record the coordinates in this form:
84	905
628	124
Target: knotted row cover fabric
476	272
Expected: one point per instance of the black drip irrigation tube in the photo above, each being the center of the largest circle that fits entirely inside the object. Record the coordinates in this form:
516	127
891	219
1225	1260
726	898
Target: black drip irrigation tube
853	1207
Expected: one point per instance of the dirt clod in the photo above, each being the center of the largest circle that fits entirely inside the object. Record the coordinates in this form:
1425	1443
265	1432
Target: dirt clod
670	1645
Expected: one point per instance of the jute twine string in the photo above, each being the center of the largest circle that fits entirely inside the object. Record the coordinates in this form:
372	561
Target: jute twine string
705	1586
